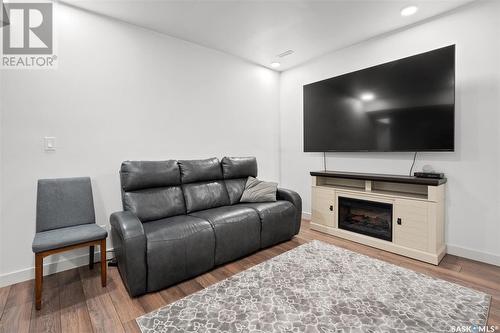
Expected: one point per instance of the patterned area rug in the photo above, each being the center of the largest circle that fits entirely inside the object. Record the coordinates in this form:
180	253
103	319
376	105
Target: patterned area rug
319	287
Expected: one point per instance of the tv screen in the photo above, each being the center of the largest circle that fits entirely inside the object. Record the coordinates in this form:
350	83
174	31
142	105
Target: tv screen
403	105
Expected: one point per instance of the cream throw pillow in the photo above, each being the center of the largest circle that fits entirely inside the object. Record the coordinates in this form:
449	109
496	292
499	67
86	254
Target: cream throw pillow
259	191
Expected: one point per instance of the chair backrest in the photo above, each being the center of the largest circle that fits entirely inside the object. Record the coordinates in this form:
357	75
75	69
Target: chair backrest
64	202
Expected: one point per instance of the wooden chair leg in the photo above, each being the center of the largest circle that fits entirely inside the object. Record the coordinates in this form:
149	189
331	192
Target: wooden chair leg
91	257
103	262
38	280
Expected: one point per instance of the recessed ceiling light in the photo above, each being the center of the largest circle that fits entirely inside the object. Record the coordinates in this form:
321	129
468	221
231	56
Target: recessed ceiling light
408	11
367	96
275	64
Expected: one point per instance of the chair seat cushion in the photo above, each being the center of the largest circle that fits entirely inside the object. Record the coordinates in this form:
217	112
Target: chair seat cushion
277	218
58	238
237	231
178	248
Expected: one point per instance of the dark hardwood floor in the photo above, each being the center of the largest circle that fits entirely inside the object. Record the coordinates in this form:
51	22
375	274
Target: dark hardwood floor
74	301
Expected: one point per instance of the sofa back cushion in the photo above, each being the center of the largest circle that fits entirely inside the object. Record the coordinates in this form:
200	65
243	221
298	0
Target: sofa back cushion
236	171
152	189
239	167
205	195
200	170
138	175
203	184
235	188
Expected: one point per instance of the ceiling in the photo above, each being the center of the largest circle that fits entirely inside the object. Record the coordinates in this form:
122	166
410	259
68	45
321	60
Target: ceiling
260	30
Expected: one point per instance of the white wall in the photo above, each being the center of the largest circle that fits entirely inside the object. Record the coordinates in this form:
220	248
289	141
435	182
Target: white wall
122	92
473	170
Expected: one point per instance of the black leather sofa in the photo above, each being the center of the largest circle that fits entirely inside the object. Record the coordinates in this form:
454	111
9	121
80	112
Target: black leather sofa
182	218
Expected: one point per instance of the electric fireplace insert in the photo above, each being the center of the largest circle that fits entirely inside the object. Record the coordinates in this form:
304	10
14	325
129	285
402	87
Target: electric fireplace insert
365	217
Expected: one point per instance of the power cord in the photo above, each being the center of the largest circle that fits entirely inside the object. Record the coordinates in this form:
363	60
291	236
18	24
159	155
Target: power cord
324	160
414	158
112	262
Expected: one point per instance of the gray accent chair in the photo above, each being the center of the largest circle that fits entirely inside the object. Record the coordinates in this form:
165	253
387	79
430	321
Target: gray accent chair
183	218
65	220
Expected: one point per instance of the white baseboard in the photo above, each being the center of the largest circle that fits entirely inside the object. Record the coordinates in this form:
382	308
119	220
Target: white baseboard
306	216
49	268
468	253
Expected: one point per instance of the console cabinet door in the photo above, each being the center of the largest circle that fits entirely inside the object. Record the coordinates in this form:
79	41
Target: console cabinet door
323	206
411	224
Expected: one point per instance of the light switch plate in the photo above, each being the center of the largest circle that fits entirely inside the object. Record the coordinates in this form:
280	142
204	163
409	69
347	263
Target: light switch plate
49	143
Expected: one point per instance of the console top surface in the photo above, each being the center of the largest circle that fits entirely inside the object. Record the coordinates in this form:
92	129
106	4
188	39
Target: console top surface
380	177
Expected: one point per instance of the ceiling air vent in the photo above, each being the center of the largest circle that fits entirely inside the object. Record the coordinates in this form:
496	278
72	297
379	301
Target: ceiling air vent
284	54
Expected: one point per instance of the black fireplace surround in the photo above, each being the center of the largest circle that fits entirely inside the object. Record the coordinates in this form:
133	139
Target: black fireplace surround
365	217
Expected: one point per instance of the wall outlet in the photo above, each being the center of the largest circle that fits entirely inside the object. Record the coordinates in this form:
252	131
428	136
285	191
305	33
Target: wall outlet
49	143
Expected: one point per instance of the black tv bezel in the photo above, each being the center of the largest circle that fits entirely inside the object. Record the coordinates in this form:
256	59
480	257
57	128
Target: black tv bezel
382	150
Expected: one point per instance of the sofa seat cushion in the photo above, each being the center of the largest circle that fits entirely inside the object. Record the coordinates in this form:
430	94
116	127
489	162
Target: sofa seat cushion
237	231
277	218
178	247
58	238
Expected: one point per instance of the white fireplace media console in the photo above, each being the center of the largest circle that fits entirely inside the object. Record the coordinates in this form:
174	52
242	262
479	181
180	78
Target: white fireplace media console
417	223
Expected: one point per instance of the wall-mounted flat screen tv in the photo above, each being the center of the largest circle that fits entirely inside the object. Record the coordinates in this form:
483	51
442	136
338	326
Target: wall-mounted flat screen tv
403	105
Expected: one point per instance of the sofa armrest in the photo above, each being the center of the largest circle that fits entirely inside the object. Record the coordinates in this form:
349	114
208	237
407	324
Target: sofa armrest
296	200
129	242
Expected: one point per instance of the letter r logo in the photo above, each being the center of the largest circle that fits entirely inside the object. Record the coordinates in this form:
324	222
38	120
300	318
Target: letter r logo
30	29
